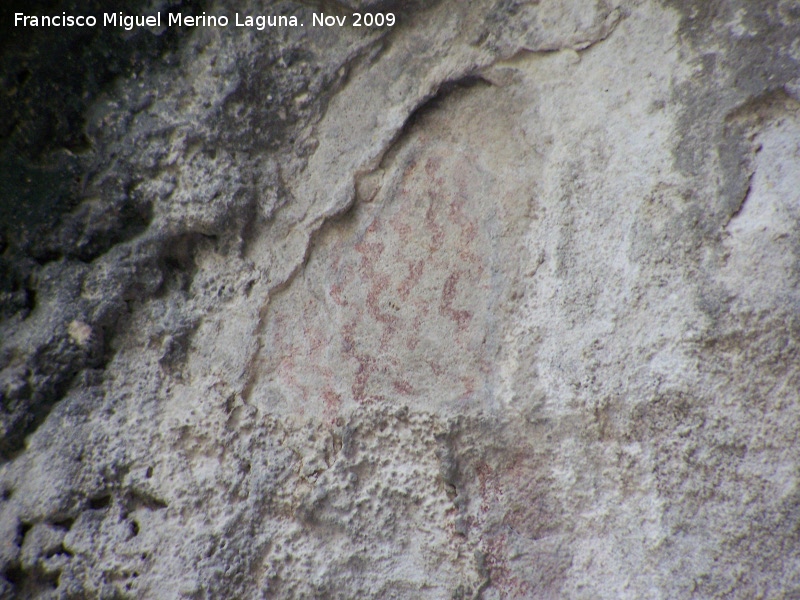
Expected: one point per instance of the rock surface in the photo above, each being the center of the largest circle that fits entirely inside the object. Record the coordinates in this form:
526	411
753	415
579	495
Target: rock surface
501	302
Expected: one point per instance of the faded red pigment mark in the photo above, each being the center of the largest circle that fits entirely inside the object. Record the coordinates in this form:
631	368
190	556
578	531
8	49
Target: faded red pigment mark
498	489
436	367
529	478
496	552
332	402
494	544
412	279
469	257
468	232
485	483
337	289
370	253
396	288
403	387
468	381
461	317
316	339
286	369
378	284
367	365
431	222
412	341
336	294
386	338
455	210
403	230
432	166
436	197
460	213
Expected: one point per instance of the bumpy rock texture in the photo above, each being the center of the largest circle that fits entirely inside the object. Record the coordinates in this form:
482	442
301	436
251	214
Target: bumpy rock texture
501	302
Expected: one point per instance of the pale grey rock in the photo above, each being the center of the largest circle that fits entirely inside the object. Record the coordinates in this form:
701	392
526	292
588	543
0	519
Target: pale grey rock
501	303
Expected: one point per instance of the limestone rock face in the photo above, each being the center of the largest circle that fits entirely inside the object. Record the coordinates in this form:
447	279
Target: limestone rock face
500	302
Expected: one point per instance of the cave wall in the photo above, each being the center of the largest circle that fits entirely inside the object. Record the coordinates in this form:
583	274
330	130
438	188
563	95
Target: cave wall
500	302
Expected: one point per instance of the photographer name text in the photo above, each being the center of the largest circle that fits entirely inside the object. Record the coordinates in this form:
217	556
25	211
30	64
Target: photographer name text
259	22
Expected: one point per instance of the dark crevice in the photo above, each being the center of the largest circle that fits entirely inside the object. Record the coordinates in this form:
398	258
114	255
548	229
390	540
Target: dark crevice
50	220
49	96
61	550
22	531
140	499
57	375
77	208
16	292
15	575
738	209
92	232
100	502
65	524
761	107
437	99
177	262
